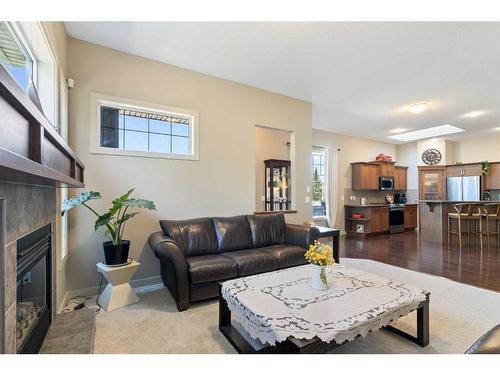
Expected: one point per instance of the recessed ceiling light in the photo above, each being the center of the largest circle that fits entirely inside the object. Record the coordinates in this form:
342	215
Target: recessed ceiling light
397	130
496	129
417	108
473	114
435	131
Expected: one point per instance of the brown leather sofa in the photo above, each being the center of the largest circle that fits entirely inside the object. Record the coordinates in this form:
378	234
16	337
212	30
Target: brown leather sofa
195	255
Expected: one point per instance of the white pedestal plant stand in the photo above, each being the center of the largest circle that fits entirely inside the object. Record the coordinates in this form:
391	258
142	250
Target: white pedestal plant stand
118	293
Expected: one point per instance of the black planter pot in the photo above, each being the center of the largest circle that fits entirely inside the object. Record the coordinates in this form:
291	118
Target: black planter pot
116	254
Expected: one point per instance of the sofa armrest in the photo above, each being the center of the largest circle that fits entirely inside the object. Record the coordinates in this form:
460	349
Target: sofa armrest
300	235
489	343
172	259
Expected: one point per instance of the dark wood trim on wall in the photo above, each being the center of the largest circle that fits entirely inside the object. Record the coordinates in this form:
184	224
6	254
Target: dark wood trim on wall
31	150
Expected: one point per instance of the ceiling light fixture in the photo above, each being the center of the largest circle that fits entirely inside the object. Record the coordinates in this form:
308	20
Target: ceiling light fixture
473	114
417	108
397	130
435	131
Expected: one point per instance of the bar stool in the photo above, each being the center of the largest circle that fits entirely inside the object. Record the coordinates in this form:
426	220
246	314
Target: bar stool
465	214
491	212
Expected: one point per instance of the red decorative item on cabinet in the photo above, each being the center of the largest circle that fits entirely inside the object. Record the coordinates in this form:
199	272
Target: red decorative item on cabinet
383	157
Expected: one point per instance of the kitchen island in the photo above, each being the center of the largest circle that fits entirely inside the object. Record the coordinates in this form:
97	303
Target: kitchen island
434	218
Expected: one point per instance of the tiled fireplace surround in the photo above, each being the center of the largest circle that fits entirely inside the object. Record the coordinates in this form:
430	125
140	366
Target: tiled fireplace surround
26	208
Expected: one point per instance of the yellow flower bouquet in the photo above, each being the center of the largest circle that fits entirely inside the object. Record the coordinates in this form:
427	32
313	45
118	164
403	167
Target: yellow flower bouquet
320	254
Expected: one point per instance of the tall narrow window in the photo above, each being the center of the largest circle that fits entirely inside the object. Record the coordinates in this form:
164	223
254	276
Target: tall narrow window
319	182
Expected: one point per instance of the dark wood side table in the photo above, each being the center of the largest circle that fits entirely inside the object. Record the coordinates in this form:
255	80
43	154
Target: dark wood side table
325	233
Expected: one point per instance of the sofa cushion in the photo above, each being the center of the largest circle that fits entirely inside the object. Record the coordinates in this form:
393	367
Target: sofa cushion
194	237
205	268
233	233
267	230
287	255
252	261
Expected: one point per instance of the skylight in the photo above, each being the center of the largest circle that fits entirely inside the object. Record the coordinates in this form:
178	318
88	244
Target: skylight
435	131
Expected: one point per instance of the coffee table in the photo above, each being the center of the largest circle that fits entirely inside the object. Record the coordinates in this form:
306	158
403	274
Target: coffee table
277	312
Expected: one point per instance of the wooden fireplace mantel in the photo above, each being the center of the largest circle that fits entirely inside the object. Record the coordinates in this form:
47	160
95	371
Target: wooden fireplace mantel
31	150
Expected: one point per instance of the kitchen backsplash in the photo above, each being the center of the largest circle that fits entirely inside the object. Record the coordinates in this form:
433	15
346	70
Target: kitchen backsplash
373	196
494	194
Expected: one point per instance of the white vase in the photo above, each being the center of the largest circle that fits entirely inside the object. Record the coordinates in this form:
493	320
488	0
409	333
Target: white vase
318	277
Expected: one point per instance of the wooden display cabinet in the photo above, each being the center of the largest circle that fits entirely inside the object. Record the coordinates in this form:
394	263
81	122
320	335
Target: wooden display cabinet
277	185
432	182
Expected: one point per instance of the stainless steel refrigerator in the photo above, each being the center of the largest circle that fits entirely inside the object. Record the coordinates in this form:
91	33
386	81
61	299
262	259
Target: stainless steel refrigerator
464	188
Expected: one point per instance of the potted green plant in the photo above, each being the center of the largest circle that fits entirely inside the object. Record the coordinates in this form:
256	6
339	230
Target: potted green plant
116	250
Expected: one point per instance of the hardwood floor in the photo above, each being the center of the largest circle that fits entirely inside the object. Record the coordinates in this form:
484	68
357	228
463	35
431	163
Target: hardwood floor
471	265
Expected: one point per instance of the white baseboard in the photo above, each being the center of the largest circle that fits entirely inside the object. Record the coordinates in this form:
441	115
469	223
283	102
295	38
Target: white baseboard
145	285
61	307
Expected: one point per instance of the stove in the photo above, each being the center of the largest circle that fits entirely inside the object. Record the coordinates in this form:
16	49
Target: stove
396	218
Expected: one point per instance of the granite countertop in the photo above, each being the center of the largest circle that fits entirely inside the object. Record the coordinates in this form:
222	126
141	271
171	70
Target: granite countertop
445	201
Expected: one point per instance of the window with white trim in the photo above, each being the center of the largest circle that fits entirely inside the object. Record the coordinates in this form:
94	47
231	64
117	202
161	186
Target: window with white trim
319	182
15	56
127	127
26	53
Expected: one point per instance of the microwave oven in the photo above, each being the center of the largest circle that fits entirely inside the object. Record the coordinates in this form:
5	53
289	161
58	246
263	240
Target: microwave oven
386	183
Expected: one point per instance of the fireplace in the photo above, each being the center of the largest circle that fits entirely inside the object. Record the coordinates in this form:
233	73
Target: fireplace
34	293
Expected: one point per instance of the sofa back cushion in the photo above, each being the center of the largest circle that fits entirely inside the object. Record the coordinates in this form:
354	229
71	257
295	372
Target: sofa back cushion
267	230
233	233
194	237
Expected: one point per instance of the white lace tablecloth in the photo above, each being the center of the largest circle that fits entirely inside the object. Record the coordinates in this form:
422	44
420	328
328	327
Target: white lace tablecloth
275	305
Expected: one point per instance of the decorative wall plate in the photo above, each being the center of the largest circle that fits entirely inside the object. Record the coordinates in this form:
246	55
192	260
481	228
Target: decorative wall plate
431	156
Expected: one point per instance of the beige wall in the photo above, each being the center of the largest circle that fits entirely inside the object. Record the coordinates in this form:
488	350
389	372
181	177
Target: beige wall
478	149
352	149
222	182
269	144
407	155
58	40
446	148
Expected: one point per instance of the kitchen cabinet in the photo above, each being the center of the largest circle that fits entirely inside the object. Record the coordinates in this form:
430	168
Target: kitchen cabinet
464	170
380	219
400	178
375	219
386	168
410	216
454	171
432	182
365	176
493	178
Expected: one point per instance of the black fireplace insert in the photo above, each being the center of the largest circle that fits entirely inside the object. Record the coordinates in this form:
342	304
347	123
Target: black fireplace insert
34	277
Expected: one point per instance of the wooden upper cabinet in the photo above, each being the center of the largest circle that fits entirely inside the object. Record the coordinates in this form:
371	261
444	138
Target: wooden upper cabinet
454	171
400	178
463	170
365	176
473	169
493	177
386	168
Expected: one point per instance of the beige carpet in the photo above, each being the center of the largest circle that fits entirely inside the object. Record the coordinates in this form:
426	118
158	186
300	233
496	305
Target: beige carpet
459	314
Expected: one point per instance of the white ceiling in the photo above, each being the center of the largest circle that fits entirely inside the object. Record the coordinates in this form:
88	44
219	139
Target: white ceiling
358	76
